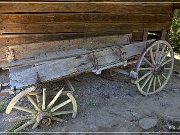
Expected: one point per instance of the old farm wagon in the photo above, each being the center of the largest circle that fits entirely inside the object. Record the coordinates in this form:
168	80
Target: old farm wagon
44	41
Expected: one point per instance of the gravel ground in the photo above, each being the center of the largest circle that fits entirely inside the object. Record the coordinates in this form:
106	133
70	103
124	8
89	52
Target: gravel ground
113	104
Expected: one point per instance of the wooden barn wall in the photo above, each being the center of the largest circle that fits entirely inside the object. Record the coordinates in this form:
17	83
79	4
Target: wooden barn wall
30	22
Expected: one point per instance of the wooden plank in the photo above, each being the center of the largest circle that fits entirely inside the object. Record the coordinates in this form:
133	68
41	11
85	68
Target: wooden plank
17	39
80	27
44	57
74	65
84	17
30	50
113	7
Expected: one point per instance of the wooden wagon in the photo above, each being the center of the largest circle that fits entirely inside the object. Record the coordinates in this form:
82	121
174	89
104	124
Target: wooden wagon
44	41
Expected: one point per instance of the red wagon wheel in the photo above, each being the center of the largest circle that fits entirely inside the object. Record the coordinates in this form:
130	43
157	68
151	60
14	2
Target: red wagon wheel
154	67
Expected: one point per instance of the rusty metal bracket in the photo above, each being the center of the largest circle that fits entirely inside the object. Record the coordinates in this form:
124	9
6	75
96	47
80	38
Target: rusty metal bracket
39	89
95	62
10	55
122	56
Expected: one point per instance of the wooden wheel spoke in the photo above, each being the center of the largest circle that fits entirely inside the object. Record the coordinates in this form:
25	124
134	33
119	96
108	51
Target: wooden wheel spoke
20	118
152	56
70	86
157	54
35	125
33	103
60	105
167	68
147	61
159	81
160	56
149	77
44	100
164	57
24	109
54	99
61	113
150	83
145	69
144	76
164	76
24	125
154	84
57	119
167	61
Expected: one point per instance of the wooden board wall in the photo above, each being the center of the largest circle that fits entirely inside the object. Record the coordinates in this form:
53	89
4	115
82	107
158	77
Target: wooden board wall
30	22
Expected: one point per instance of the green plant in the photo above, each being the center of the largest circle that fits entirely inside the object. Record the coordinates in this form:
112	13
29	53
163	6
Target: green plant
175	32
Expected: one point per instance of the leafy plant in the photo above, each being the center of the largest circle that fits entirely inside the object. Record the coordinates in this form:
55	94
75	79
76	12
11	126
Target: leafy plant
175	32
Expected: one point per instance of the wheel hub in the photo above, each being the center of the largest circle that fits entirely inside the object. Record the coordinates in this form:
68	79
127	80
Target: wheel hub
158	69
44	118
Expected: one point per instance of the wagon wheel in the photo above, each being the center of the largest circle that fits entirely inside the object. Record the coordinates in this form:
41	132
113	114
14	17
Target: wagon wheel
154	68
40	115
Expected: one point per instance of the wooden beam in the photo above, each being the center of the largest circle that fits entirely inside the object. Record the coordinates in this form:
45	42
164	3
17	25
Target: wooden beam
30	50
17	39
83	17
80	27
145	34
119	8
163	34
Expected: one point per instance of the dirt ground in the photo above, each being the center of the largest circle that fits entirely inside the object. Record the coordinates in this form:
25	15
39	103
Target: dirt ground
113	104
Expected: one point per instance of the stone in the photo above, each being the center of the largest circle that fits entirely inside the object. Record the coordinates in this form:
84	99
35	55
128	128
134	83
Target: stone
132	93
93	128
147	123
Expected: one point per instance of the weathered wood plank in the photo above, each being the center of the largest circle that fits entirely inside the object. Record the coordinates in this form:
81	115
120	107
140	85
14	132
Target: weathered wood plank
81	27
119	8
30	50
74	65
44	57
84	17
17	39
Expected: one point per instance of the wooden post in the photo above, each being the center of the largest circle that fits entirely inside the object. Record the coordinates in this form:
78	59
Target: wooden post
145	34
163	34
